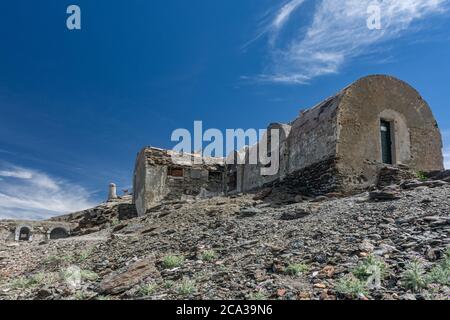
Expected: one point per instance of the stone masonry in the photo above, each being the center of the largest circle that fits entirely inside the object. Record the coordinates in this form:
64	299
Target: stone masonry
340	145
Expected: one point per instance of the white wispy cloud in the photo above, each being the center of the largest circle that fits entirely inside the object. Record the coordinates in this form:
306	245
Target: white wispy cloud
447	158
337	33
31	194
281	17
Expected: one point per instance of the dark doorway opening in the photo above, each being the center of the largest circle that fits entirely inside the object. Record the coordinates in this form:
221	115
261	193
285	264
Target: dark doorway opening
24	234
58	233
232	181
386	142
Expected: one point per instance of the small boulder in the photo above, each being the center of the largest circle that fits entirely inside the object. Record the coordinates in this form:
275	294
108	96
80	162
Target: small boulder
133	275
384	195
261	195
366	246
298	214
249	212
319	199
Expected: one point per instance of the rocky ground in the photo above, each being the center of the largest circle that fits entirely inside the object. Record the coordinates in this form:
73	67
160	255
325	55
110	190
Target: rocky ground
386	244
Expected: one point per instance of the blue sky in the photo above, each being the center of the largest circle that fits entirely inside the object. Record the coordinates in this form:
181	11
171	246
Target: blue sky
76	106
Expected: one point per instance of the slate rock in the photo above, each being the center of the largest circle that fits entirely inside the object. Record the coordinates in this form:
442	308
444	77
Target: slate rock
135	273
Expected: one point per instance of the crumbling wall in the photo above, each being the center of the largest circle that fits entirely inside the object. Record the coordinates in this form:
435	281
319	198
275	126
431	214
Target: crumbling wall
305	146
196	181
251	174
158	177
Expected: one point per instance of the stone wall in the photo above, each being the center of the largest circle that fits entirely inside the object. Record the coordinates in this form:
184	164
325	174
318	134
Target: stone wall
313	136
158	177
126	211
305	144
251	173
317	179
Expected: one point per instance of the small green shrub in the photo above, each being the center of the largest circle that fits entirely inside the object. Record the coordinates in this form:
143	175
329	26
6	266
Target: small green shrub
187	287
224	268
58	260
440	274
52	259
80	295
421	176
208	255
20	283
202	276
88	275
258	295
171	261
28	282
446	260
84	255
168	284
351	287
413	278
367	267
294	269
147	290
115	222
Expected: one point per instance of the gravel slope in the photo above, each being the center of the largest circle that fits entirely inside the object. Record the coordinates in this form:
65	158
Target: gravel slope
240	248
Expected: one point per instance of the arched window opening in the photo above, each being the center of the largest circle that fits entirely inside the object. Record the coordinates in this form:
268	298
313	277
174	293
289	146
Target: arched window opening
58	233
24	234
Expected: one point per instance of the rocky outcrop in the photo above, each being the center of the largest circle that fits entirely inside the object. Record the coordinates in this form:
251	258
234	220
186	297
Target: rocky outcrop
106	214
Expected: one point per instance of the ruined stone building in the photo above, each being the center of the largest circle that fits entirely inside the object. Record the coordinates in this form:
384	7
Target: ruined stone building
109	213
22	230
341	145
157	177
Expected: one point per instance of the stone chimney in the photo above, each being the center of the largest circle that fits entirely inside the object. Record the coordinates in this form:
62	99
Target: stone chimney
112	192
